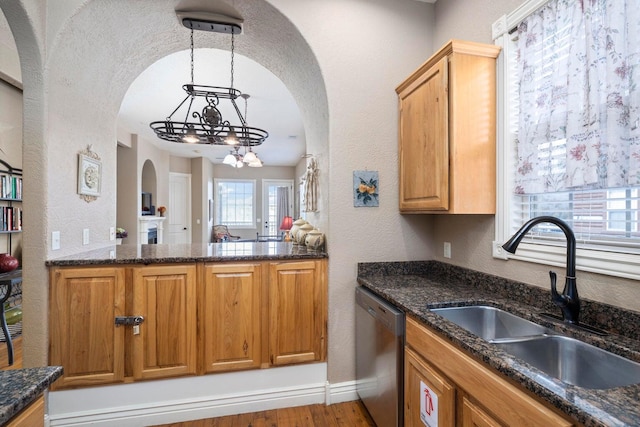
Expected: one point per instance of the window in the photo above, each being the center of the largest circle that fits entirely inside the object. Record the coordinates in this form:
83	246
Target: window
235	202
569	135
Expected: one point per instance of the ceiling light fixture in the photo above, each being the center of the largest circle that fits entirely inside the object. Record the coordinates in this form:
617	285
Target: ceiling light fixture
207	125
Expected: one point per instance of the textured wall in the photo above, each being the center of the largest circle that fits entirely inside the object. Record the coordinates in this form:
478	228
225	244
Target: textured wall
470	236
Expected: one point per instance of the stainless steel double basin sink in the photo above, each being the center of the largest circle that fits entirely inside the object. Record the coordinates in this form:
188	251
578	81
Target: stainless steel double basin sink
567	359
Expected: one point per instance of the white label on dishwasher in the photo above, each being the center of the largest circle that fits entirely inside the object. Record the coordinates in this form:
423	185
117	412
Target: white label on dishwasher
428	406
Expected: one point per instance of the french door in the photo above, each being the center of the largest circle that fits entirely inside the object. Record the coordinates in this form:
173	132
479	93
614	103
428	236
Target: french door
273	192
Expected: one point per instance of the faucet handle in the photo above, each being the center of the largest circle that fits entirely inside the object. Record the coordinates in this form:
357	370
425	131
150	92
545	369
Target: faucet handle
555	296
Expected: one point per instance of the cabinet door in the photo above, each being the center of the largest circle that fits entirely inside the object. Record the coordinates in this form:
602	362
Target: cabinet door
166	343
83	337
297	312
230	313
424	142
438	399
474	416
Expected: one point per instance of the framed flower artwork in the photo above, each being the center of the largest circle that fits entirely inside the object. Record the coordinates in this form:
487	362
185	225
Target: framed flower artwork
365	188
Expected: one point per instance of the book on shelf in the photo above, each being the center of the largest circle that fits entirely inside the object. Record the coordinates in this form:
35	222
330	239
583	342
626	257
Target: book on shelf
10	218
10	187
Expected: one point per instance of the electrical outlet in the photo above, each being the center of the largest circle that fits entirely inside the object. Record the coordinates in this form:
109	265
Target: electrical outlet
55	240
447	249
85	236
112	233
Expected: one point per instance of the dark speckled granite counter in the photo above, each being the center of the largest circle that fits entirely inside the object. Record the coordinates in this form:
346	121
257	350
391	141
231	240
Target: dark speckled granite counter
20	387
181	253
416	287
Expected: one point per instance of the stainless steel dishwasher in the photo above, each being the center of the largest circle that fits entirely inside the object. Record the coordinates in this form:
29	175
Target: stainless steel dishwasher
379	358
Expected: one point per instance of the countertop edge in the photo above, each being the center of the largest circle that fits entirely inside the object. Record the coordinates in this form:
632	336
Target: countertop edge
21	387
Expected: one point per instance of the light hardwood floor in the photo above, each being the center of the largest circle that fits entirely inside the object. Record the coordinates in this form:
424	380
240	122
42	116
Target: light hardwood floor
348	414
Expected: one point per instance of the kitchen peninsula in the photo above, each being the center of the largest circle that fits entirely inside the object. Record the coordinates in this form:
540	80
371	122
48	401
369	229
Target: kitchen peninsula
161	311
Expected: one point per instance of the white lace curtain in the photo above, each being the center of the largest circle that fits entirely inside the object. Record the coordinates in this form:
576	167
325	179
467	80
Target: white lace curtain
579	116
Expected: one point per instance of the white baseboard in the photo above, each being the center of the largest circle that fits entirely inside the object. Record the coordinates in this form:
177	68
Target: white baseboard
184	399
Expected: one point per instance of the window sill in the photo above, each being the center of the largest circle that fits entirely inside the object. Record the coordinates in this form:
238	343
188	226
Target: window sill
601	262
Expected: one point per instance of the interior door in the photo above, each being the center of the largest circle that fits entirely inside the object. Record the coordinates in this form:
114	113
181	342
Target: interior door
179	212
270	220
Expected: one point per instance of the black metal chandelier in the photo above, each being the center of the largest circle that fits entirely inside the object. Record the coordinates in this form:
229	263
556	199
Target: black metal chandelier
203	122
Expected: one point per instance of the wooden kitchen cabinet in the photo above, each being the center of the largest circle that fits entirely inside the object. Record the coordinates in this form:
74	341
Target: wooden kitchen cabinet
474	416
85	340
485	398
297	312
166	344
417	374
199	318
83	337
447	137
230	308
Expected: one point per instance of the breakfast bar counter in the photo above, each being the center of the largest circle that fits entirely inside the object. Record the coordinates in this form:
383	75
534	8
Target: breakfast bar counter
182	253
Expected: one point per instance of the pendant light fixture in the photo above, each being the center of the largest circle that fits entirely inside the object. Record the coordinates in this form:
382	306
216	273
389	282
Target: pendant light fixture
202	120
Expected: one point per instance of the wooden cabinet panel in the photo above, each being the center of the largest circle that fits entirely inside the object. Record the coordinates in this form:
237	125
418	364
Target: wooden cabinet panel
83	337
474	416
166	297
297	312
230	310
447	134
417	372
31	416
424	158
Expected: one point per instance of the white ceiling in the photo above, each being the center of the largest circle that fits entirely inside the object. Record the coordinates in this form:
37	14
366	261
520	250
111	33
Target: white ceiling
158	91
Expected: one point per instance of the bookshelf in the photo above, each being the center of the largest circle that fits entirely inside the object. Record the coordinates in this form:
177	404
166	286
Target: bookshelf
10	223
10	201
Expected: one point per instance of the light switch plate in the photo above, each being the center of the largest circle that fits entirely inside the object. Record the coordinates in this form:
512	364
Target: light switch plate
55	240
85	236
447	249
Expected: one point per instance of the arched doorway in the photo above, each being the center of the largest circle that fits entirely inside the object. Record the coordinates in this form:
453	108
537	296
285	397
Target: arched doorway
93	55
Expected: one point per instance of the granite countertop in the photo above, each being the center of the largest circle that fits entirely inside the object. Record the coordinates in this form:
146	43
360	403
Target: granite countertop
181	253
415	287
20	387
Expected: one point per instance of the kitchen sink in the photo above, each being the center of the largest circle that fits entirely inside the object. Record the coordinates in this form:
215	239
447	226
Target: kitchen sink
490	323
575	362
567	359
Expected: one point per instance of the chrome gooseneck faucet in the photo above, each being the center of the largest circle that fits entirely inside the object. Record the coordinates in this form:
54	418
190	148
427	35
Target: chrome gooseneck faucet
568	301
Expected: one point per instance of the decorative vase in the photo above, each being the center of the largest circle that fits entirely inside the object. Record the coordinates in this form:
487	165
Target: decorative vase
314	240
302	233
7	263
295	227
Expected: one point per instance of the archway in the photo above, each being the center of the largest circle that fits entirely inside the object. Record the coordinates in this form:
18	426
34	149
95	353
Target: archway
74	101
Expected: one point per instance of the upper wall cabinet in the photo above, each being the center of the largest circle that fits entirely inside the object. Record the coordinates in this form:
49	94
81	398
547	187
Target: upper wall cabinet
447	132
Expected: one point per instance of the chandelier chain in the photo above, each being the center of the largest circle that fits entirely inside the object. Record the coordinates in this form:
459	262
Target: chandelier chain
232	56
192	56
246	119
